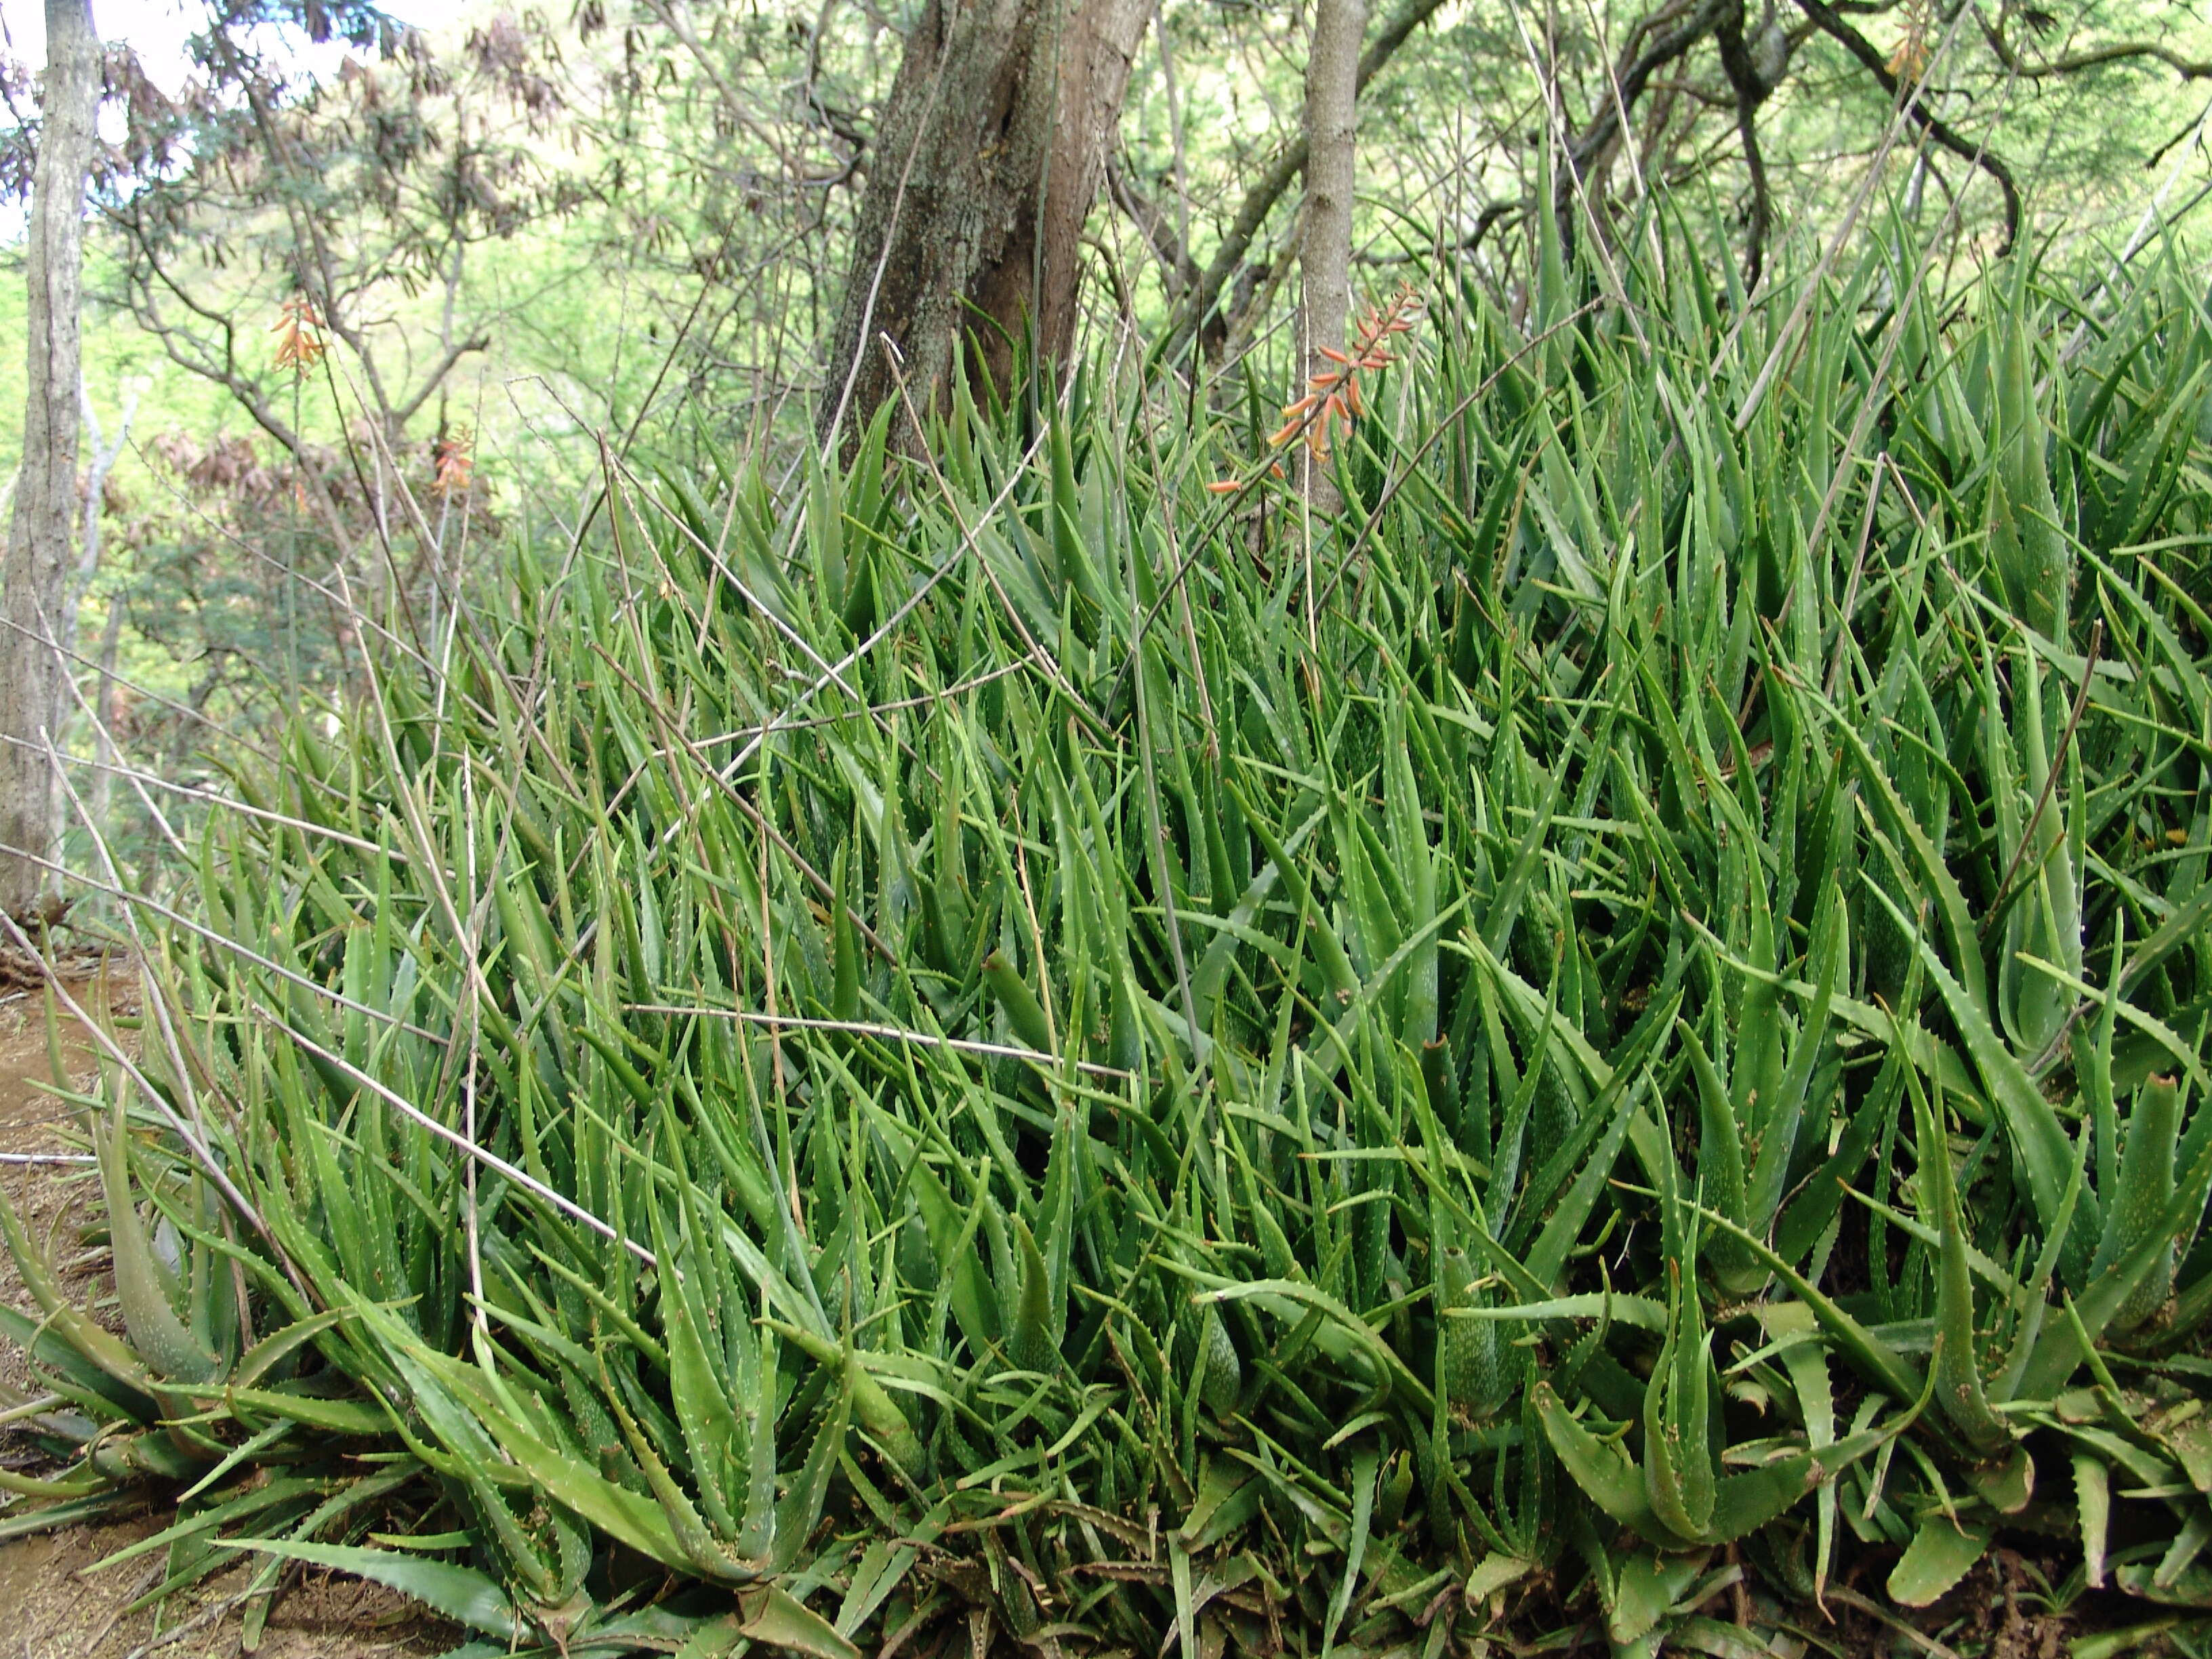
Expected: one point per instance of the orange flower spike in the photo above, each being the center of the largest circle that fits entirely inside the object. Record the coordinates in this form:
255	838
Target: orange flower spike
301	348
1333	354
1223	487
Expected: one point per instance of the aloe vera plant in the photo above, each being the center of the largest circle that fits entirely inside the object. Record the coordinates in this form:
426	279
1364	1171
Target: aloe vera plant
967	1052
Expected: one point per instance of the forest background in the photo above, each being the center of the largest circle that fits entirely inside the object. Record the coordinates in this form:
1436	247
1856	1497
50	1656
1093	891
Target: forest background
546	225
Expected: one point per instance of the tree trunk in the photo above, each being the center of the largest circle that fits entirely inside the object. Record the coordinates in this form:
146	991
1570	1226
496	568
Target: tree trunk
990	151
37	560
1325	248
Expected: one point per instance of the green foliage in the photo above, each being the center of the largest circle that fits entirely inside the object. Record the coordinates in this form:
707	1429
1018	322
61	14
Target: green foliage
1025	1065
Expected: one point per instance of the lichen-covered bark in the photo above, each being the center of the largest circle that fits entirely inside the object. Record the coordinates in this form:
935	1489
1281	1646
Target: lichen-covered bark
990	151
37	558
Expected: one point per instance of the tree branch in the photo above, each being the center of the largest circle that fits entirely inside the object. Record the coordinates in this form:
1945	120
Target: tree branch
199	359
1629	82
437	378
1179	270
2118	51
1752	84
680	26
1831	24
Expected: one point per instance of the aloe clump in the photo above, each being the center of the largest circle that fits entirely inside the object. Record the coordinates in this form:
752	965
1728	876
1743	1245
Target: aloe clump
973	1052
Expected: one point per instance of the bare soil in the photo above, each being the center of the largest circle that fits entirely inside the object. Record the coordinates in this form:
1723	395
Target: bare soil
54	1603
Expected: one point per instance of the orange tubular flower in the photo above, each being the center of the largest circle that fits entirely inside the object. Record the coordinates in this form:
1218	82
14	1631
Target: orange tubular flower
300	343
453	462
1334	400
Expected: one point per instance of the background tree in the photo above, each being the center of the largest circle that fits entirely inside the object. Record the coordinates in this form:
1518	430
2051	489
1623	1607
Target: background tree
1325	245
515	233
334	211
1207	300
35	583
984	166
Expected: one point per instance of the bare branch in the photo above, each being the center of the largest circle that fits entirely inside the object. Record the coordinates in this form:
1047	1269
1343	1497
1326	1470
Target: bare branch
436	377
1630	79
1752	81
1179	272
1832	23
2118	51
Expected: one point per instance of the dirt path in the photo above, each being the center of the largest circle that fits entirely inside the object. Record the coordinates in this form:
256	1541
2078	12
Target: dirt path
52	1606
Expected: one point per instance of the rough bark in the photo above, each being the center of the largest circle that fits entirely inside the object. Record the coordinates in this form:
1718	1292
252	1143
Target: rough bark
990	151
1038	274
38	561
1325	239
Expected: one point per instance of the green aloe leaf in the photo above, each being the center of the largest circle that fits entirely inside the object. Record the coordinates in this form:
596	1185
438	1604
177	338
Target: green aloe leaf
1943	1552
1679	1461
1604	1470
2139	1202
462	1594
1959	1390
2041	1142
779	1619
156	1331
